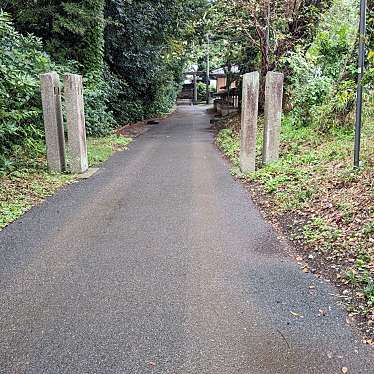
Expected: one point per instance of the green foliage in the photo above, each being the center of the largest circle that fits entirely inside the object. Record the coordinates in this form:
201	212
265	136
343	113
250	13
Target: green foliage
70	30
229	142
164	99
24	189
100	149
201	91
143	47
21	62
123	103
82	23
369	292
27	186
145	51
321	82
135	76
72	33
360	275
97	95
369	79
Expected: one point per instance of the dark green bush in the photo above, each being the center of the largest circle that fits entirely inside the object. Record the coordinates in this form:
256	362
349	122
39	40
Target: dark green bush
164	99
124	104
321	80
97	95
130	70
21	62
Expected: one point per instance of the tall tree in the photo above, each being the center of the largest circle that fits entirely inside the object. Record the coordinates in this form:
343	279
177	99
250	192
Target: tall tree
270	27
71	30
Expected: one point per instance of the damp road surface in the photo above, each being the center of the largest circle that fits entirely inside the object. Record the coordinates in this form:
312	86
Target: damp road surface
160	263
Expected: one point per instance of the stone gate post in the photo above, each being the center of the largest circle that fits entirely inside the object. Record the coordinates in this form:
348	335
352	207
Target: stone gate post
53	121
249	122
74	103
273	116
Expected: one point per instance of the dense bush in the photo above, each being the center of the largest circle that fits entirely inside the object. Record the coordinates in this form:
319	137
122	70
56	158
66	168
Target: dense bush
71	30
144	52
97	96
201	91
21	62
321	81
164	99
131	68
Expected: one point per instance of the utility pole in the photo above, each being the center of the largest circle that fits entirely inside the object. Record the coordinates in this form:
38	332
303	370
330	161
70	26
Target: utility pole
208	71
195	98
361	69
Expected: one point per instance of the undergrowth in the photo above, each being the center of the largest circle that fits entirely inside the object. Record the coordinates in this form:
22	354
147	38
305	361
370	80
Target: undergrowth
29	182
315	182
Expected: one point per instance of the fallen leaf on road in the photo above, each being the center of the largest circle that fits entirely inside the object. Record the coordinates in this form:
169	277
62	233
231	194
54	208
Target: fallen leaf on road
297	314
344	370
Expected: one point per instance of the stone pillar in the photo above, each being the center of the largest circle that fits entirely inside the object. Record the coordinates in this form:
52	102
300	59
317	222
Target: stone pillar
74	106
53	121
249	122
195	98
273	116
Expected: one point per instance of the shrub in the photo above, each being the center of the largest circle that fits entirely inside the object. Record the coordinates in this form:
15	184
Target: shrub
164	99
124	104
321	79
97	95
21	62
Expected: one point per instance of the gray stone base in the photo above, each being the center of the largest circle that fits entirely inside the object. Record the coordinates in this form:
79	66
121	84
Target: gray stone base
89	173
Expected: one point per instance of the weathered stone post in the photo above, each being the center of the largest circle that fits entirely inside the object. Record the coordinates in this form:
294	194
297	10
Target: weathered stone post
273	116
74	105
249	122
53	121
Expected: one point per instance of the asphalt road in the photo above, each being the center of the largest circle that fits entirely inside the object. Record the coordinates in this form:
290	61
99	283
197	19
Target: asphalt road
160	263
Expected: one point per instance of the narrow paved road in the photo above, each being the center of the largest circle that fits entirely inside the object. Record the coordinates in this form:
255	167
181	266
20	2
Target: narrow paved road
160	263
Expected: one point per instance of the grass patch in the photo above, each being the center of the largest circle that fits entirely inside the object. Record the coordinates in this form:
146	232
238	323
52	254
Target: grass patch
100	149
23	190
30	183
